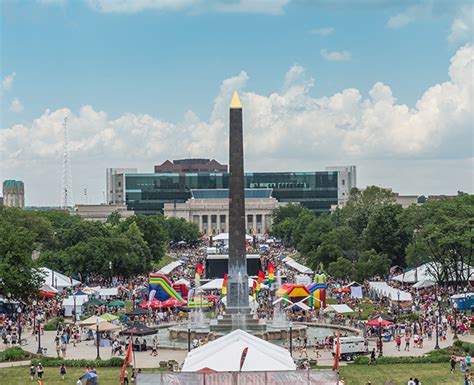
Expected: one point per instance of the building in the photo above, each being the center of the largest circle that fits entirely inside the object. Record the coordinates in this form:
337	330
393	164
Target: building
115	184
406	200
209	209
13	193
101	212
346	181
147	193
190	165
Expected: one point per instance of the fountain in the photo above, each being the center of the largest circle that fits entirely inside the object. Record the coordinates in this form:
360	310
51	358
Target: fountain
279	315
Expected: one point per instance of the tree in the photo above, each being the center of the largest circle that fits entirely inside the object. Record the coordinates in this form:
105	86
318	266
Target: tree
114	218
371	264
180	229
285	230
19	278
313	236
291	210
385	234
341	269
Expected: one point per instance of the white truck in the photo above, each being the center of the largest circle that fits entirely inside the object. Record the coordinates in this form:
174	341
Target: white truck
351	347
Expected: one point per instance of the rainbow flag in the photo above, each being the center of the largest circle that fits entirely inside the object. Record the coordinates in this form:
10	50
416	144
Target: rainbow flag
224	286
199	270
271	273
261	277
255	290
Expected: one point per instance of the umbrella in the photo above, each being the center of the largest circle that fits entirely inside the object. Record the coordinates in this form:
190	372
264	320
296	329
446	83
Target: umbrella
343	290
138	329
94	302
116	304
106	327
92	320
375	322
109	317
79	292
88	375
137	311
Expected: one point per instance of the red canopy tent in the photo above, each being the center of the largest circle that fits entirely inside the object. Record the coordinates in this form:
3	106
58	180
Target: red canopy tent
375	322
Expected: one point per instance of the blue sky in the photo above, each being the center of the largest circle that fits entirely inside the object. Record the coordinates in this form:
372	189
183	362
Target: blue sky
148	58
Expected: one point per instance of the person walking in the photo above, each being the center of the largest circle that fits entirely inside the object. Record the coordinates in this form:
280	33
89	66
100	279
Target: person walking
452	362
62	371
398	340
407	343
373	359
40	371
32	372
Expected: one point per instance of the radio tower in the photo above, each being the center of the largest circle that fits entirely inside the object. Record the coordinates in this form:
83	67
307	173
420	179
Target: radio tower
67	202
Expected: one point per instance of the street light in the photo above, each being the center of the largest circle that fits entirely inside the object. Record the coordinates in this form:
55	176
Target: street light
380	319
40	350
291	338
75	315
19	323
34	316
436	325
97	337
189	337
465	300
455	308
398	295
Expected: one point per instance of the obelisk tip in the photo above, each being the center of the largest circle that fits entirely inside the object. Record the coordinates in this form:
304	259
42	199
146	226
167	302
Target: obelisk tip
235	102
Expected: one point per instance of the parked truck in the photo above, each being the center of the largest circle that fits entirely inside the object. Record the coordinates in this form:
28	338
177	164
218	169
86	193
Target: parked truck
351	347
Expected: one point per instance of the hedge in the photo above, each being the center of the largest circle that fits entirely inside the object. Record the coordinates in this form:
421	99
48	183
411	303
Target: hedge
430	359
14	354
466	347
52	324
53	361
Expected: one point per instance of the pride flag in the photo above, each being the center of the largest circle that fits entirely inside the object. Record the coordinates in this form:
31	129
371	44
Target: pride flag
255	290
199	270
271	273
224	286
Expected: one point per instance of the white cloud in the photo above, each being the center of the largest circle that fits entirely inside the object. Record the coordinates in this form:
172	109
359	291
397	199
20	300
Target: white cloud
271	7
462	27
16	105
335	55
410	15
284	129
322	31
7	81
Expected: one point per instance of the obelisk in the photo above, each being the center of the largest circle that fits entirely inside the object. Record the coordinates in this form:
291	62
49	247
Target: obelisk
237	279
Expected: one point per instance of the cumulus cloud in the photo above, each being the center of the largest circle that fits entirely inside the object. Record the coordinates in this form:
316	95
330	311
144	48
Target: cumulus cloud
288	127
335	55
272	7
462	27
7	81
16	106
322	31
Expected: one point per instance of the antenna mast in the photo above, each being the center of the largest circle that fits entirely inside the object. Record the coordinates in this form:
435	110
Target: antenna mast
67	202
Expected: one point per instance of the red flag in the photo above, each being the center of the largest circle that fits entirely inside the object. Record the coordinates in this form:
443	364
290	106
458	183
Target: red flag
255	288
199	268
337	353
127	360
243	357
261	276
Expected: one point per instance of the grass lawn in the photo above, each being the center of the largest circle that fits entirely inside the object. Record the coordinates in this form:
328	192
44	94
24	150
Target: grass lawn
399	374
21	376
367	309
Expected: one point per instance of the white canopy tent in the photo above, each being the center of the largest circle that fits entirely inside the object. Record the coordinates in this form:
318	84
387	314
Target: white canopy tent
169	267
224	355
297	266
340	309
428	272
424	283
57	280
224	237
68	304
107	292
183	281
382	288
48	288
216	284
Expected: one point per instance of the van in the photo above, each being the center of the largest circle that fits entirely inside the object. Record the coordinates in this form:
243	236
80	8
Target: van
351	347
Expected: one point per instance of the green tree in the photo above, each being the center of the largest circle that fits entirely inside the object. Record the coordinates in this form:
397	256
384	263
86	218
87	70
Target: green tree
285	230
371	264
114	218
342	268
291	210
180	229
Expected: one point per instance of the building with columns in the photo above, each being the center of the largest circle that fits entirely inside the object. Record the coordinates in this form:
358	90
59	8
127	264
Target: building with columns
209	209
13	193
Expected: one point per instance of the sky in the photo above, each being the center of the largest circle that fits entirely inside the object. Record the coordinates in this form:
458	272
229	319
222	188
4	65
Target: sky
385	85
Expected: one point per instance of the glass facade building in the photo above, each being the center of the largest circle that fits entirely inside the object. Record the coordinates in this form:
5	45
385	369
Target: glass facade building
147	193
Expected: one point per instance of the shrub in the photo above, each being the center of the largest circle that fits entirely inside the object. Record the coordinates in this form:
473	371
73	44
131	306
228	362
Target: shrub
52	324
52	361
430	359
14	354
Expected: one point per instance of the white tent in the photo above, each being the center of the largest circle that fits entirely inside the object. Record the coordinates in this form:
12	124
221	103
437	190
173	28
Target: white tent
225	237
225	353
107	292
297	266
216	284
57	280
341	309
169	267
68	304
183	281
424	283
428	272
382	288
48	288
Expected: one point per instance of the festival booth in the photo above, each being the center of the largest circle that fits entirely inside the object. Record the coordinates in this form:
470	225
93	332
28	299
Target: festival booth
69	303
290	262
136	331
384	290
433	271
238	351
57	280
339	309
47	291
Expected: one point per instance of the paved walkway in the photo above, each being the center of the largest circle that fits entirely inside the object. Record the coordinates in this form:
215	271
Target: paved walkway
86	350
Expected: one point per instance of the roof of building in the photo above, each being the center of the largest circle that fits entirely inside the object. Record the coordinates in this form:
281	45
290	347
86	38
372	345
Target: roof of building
11	183
224	193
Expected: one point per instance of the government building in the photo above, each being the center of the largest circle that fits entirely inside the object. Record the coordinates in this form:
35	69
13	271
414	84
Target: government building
202	196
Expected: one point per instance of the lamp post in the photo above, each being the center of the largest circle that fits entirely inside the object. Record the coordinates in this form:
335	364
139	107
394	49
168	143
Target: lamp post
380	319
398	295
40	349
436	325
189	338
34	316
19	323
97	338
291	338
465	301
455	309
75	315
